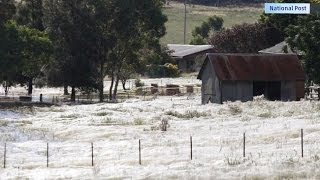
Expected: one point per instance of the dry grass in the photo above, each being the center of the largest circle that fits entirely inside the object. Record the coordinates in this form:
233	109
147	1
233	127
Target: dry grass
197	14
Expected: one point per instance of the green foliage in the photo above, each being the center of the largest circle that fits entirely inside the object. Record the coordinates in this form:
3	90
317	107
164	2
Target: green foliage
171	70
30	13
10	53
77	40
23	53
156	60
7	10
167	70
200	34
282	21
198	40
215	23
36	51
305	36
245	38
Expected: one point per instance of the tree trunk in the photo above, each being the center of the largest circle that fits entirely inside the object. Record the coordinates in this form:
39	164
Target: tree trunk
123	81
100	89
111	87
73	94
65	90
114	96
6	88
30	86
101	85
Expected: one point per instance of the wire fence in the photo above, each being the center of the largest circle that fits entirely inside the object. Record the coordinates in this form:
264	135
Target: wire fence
57	154
145	93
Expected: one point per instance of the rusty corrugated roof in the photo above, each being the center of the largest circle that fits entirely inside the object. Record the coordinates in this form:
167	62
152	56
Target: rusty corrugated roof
255	67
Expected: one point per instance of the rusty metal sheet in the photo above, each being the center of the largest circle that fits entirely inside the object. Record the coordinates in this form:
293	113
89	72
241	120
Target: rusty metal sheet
256	67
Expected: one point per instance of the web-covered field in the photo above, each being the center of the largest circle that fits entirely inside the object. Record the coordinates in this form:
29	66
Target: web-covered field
272	130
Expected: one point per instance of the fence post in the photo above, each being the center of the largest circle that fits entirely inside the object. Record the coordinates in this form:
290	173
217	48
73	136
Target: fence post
92	154
47	154
244	144
4	155
139	151
301	142
40	98
191	147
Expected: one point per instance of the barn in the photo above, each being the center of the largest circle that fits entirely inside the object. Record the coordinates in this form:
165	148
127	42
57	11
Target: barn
186	56
240	77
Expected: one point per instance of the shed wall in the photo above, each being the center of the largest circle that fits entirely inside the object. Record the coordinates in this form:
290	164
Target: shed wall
288	91
210	88
206	87
237	91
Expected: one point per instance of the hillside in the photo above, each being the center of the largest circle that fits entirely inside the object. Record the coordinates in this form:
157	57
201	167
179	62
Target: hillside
197	14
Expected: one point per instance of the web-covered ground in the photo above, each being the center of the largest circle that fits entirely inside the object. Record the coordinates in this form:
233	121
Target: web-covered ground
273	148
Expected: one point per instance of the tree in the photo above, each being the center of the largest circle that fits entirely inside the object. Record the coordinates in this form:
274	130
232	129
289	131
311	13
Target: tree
141	25
305	37
282	21
30	14
245	38
36	51
105	35
71	28
10	54
201	33
7	10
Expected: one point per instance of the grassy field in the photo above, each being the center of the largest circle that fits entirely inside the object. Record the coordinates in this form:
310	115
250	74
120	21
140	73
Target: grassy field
197	14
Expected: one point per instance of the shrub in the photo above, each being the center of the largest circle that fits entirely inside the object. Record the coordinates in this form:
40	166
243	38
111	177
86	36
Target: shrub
138	83
267	114
171	70
164	125
102	113
187	114
234	109
138	122
232	161
166	70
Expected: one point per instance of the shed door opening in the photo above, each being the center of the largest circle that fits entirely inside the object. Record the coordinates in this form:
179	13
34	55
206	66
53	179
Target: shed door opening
273	90
259	88
270	90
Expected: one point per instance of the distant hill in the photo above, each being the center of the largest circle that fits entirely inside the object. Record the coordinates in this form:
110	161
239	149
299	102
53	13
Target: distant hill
196	14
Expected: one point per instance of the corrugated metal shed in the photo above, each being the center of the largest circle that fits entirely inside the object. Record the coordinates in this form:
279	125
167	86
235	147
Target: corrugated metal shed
256	67
279	49
182	50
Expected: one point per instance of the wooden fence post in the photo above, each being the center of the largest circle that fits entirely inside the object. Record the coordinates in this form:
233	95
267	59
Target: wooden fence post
47	154
301	142
139	151
92	154
4	155
191	147
40	98
244	144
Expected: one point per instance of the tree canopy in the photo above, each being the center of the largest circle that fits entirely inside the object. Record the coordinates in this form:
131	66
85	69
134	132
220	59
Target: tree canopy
245	38
93	39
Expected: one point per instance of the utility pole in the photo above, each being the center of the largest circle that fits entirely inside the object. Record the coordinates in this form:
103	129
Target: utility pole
185	22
